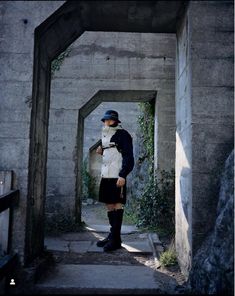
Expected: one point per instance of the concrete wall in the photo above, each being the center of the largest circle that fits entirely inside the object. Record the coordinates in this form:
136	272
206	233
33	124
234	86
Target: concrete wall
94	169
204	101
183	164
18	20
204	118
212	60
106	61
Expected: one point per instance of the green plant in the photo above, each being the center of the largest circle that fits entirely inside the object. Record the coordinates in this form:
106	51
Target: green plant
57	62
88	183
156	206
168	258
146	126
129	217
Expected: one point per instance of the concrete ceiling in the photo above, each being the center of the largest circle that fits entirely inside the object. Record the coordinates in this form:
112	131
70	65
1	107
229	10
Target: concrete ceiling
73	18
132	16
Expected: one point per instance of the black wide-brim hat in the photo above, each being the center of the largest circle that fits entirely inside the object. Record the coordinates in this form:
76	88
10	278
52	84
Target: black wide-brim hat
111	114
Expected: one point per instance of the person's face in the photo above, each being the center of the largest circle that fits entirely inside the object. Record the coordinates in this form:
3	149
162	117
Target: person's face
109	122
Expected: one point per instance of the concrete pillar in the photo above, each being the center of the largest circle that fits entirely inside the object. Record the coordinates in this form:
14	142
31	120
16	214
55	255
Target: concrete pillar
204	118
164	142
183	163
121	64
17	25
212	54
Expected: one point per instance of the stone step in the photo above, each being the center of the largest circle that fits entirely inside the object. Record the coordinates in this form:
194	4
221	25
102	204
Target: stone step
126	229
99	279
56	244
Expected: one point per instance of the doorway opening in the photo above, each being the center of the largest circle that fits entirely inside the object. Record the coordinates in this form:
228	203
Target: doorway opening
47	47
95	60
64	198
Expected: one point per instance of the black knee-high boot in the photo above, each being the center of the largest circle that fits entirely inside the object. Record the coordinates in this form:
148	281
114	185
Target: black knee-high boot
102	243
115	240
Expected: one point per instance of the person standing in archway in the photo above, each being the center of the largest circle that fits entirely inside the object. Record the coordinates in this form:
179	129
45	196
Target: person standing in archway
117	163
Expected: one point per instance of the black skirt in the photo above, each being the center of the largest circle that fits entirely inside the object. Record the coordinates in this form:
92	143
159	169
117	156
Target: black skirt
109	192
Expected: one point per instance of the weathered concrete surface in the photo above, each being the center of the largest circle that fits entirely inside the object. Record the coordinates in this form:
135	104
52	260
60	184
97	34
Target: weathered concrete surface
79	247
106	61
84	268
183	164
204	119
94	249
56	244
199	89
126	229
105	279
136	179
138	247
212	81
16	63
52	37
213	266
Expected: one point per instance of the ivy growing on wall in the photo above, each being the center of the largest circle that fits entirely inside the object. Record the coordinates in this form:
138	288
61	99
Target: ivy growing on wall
155	206
55	66
146	125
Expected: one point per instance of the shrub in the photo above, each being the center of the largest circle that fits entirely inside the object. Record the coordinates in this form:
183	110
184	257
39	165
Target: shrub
57	62
168	258
146	127
88	183
156	207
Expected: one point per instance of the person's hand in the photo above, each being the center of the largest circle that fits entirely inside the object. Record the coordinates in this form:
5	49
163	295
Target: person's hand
120	182
99	150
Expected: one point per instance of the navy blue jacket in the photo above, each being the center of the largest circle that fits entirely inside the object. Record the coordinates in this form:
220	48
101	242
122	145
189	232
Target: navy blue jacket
123	141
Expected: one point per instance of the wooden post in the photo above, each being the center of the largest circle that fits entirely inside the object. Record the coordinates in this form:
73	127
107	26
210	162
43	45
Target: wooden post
5	186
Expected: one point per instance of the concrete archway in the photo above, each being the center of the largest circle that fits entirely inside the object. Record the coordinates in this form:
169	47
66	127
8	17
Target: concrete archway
51	38
99	97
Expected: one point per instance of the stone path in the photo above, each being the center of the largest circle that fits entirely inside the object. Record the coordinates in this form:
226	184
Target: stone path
83	268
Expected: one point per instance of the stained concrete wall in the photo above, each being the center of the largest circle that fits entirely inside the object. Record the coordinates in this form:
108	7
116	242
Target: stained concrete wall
106	61
18	20
204	118
183	164
209	24
212	56
93	167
